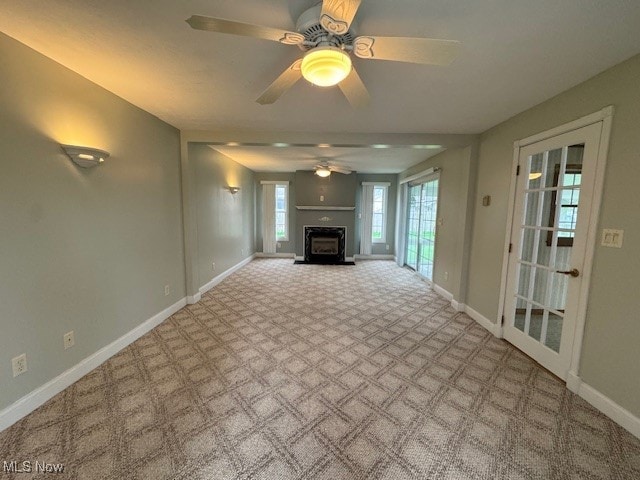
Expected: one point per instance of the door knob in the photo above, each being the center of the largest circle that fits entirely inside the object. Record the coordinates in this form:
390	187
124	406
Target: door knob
574	272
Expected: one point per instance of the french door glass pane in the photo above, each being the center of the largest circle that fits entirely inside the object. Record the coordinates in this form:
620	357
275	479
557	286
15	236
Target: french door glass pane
536	179
554	332
528	244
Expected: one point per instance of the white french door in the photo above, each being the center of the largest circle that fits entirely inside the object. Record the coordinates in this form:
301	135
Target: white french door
552	214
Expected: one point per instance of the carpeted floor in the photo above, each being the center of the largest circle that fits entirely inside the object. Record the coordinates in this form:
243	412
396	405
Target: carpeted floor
321	372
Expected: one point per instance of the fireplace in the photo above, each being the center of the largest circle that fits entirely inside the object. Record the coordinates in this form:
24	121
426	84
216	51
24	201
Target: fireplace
324	244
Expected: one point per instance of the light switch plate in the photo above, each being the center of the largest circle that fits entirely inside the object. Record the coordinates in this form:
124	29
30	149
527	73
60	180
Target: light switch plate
612	238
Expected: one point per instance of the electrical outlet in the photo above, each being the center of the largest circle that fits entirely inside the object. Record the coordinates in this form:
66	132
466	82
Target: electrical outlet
446	275
68	339
19	364
213	265
167	290
387	246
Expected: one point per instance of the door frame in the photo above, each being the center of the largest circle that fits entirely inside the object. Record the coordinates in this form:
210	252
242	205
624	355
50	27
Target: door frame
605	116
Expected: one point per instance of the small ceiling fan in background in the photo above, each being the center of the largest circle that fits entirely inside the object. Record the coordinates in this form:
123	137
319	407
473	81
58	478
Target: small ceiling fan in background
325	168
325	33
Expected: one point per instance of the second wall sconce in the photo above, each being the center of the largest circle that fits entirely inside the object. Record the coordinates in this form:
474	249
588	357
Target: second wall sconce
85	157
233	190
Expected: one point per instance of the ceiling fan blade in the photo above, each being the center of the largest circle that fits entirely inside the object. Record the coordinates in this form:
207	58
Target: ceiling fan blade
343	170
283	83
354	90
211	24
427	51
337	15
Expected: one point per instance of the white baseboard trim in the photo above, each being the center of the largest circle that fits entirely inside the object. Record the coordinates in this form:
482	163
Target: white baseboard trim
457	306
275	255
494	328
40	395
573	382
218	278
191	299
442	292
374	256
611	409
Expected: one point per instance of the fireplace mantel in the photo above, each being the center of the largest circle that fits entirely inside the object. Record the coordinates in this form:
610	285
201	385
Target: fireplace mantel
323	207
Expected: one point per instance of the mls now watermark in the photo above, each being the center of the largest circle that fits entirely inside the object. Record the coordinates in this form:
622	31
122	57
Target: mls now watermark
32	467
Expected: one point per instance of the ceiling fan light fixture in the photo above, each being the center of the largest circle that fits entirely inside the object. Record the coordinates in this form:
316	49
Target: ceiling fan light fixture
326	66
323	172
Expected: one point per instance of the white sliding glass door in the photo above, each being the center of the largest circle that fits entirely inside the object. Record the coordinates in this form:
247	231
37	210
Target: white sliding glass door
422	209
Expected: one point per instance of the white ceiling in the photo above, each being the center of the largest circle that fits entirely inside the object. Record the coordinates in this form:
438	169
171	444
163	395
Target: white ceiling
515	54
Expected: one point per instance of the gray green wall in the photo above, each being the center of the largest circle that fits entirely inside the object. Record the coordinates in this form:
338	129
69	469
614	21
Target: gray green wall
339	190
454	216
88	250
378	248
285	247
612	331
225	222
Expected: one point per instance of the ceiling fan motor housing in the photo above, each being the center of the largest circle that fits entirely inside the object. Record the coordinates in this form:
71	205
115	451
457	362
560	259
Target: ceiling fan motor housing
308	24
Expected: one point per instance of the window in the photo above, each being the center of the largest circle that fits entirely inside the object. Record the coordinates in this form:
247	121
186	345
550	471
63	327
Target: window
379	218
282	214
275	214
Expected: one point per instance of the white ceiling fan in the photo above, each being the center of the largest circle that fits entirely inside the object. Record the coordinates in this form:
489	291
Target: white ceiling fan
325	168
326	34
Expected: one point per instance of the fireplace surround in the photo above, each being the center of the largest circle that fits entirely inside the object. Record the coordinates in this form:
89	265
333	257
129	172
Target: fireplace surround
324	244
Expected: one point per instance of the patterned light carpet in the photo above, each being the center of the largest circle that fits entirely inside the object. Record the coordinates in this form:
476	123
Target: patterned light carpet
321	372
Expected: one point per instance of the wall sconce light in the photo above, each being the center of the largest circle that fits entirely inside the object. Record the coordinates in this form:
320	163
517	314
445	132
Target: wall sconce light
85	157
234	190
